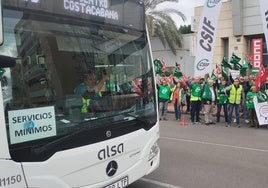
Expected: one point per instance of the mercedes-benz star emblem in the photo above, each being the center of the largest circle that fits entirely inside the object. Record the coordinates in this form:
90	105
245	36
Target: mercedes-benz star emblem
111	168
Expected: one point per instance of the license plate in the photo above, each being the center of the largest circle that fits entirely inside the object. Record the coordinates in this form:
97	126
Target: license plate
119	184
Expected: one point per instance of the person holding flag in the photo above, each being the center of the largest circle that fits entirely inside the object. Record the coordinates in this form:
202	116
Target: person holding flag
235	98
164	93
222	99
195	99
177	99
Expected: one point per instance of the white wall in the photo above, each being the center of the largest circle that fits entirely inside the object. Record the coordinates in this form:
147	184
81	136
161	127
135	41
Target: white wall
183	57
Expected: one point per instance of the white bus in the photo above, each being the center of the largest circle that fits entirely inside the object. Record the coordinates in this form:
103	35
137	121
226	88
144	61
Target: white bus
53	137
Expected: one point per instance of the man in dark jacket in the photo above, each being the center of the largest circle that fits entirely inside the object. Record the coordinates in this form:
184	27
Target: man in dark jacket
209	100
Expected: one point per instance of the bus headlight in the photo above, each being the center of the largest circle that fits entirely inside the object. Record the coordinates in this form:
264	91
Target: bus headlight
154	151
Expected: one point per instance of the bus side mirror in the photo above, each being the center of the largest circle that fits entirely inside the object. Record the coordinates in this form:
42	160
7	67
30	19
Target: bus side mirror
1	24
6	61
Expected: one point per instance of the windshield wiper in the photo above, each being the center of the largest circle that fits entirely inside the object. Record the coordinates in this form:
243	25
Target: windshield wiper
128	116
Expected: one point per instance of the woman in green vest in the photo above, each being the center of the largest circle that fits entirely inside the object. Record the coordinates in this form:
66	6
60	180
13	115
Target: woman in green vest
222	99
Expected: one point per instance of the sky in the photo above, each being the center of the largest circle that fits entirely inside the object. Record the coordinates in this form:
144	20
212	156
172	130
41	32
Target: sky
186	7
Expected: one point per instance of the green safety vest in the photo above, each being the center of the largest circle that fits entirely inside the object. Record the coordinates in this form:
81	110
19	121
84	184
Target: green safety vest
172	92
164	92
86	102
235	95
196	91
222	97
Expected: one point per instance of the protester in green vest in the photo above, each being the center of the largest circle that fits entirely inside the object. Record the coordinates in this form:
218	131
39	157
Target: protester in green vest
164	93
222	99
250	105
235	99
195	99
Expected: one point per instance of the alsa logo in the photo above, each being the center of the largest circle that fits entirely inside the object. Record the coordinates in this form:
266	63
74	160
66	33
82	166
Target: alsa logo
202	64
110	151
212	3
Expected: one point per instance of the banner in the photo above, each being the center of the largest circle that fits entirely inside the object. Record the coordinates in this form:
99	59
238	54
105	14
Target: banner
261	111
206	37
256	46
264	15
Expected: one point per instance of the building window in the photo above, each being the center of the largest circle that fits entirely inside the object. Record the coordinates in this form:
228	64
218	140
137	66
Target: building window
225	44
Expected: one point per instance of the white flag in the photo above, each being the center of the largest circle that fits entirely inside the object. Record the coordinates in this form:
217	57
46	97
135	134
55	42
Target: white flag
264	15
206	37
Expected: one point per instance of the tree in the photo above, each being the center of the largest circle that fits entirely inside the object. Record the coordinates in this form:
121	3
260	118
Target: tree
160	23
185	29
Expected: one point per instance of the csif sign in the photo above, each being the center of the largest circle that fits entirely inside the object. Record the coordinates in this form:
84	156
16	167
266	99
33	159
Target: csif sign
206	37
202	65
212	3
264	15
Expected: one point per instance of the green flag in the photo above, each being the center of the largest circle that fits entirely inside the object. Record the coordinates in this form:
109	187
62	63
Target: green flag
248	64
213	76
225	64
158	66
177	72
245	67
224	73
207	92
235	61
243	72
262	96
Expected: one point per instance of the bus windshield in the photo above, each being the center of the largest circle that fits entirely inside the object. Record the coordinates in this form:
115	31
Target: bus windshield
75	81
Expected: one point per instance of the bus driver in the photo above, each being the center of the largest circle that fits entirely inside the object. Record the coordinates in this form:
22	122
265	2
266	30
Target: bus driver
90	89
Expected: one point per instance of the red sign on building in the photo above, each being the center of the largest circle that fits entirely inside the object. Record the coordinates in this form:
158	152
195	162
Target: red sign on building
257	52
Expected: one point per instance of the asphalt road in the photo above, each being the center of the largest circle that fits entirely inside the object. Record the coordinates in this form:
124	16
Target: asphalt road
215	156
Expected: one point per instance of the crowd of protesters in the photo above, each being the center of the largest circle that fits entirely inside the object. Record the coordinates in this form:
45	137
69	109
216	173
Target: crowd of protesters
232	97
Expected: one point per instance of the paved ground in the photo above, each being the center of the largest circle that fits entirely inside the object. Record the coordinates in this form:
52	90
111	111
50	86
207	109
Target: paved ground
200	156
